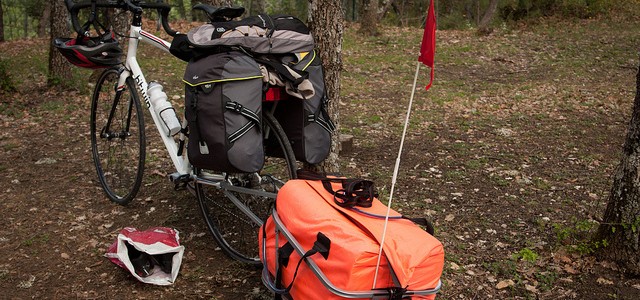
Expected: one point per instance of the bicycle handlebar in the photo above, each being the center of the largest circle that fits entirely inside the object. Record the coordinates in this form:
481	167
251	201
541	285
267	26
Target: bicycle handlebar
134	6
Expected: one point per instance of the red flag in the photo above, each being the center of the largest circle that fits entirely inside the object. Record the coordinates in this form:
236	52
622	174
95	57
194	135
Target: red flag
428	47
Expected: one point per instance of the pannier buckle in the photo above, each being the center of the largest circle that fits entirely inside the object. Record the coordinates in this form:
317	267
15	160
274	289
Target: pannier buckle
235	106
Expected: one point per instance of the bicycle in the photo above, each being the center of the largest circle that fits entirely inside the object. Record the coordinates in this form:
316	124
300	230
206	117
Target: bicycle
233	205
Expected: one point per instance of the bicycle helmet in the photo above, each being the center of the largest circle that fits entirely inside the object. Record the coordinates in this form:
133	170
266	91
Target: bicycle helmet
91	52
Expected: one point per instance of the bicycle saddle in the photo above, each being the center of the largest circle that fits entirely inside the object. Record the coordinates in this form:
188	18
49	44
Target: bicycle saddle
217	14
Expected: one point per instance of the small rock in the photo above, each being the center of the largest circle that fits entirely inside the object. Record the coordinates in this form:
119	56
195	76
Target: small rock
46	161
454	266
506	132
27	283
64	255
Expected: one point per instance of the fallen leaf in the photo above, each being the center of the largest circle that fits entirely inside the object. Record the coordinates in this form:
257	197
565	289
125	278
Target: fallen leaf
569	269
449	218
505	284
530	288
604	281
64	255
454	266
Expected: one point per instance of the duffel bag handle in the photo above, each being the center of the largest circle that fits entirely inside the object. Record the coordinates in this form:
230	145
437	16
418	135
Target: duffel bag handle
354	192
322	245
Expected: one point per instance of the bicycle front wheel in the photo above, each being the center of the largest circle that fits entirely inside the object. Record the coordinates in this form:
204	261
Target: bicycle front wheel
236	209
117	137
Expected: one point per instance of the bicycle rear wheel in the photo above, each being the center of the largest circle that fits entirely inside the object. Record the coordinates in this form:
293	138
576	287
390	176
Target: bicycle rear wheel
117	137
235	211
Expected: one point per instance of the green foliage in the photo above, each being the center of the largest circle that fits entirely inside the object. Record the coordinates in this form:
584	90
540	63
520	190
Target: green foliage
527	255
516	10
577	237
34	8
455	20
546	280
6	82
21	17
292	7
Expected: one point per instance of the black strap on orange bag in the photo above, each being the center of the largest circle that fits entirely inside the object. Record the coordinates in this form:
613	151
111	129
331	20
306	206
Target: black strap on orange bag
357	192
354	192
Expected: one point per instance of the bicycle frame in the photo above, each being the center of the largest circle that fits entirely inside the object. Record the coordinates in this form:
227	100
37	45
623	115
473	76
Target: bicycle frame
132	68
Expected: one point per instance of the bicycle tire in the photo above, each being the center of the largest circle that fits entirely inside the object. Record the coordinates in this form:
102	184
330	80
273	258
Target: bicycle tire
233	230
119	150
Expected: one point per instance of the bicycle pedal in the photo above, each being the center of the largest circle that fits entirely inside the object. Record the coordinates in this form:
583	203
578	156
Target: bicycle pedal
180	181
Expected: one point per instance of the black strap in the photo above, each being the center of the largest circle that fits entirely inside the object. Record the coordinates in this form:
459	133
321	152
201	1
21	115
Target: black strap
322	245
271	27
354	192
395	293
194	118
354	188
254	119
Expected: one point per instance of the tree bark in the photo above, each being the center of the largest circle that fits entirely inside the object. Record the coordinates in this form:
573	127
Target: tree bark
326	22
59	68
483	25
257	7
1	23
386	5
620	228
44	19
369	18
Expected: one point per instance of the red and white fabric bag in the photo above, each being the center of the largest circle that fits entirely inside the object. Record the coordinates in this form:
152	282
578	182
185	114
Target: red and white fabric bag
159	246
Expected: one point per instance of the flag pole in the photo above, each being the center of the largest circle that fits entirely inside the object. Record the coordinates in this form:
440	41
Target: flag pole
395	173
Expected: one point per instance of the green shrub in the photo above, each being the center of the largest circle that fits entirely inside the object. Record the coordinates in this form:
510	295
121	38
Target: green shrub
6	83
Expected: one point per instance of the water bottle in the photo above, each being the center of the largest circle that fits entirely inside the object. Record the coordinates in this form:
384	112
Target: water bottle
163	108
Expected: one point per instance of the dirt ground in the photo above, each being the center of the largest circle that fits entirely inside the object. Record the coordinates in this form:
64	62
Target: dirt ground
510	154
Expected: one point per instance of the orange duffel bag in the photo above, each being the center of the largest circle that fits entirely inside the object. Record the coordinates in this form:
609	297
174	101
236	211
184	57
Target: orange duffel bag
338	238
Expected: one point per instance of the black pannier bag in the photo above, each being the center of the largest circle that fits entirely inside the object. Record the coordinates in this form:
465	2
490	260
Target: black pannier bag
304	117
224	112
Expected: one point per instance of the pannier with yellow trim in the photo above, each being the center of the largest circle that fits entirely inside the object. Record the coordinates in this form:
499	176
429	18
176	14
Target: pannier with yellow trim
224	112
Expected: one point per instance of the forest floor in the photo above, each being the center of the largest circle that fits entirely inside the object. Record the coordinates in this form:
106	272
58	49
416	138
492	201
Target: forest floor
511	154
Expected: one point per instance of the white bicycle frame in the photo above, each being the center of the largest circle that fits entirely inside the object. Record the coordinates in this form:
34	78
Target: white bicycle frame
132	68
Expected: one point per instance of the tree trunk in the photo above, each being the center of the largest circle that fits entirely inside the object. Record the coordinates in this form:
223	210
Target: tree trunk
620	228
326	22
25	25
483	25
44	19
59	68
257	7
369	18
1	24
386	5
121	23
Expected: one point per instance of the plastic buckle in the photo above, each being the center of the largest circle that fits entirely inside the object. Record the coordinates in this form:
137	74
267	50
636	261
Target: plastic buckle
235	106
